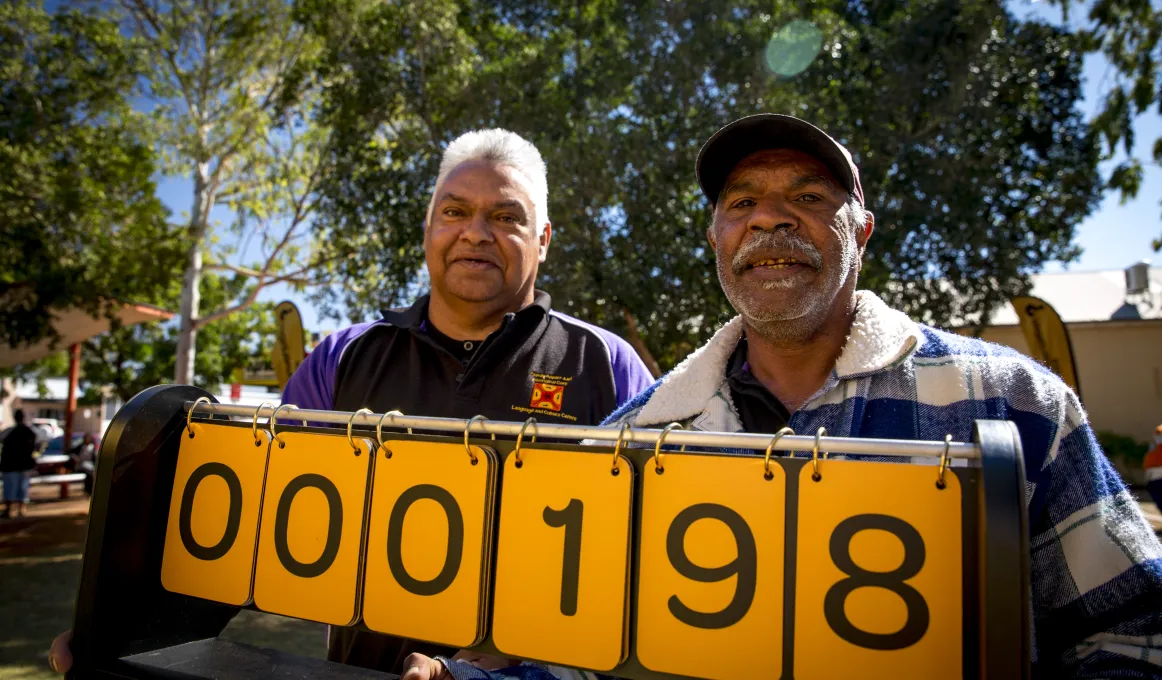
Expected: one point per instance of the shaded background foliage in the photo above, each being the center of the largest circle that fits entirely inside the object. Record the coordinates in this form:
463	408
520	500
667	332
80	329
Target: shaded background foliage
963	120
77	191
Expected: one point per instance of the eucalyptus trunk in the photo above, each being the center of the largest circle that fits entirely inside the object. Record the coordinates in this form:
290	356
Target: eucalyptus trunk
191	282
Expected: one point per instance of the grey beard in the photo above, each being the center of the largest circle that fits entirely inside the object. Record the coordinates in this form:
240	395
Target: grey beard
773	240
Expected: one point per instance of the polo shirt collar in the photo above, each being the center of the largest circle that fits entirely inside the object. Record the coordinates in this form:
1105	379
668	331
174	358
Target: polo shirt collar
416	316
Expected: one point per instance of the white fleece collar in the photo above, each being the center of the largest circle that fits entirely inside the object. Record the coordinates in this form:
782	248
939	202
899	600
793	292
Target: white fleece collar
880	337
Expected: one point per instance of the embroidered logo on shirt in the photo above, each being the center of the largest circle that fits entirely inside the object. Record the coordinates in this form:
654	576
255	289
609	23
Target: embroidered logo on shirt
547	396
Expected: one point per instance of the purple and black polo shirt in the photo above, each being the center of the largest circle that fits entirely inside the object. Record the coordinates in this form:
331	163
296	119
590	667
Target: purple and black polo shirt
539	363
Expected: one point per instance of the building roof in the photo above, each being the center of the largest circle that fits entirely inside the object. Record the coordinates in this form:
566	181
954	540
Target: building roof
56	389
75	325
1081	297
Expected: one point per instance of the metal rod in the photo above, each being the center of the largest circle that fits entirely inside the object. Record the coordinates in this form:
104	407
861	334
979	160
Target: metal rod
696	438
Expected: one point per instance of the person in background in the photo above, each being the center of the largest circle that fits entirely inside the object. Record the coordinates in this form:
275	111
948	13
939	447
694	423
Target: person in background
1153	466
484	341
16	463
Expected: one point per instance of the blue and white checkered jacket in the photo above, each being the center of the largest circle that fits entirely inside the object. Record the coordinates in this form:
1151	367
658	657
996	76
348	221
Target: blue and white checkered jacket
1096	564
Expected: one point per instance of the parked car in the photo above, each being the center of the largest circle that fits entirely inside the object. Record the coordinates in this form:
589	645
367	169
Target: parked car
50	425
81	457
55	460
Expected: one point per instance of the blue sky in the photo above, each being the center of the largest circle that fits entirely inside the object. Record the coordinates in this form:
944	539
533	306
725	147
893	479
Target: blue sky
1113	237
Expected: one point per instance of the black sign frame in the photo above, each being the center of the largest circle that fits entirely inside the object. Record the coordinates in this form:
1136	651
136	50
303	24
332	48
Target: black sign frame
127	625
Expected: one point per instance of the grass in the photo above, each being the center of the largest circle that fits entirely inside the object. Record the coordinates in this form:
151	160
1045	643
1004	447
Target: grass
40	565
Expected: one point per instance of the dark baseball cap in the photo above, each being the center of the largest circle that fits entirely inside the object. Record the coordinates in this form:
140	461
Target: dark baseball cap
727	147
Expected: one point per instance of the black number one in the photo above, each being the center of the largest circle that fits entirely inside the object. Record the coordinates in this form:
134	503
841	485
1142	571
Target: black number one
233	515
745	566
570	518
833	603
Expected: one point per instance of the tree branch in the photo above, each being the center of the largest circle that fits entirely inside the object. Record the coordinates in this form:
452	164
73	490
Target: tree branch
639	344
245	271
223	313
252	296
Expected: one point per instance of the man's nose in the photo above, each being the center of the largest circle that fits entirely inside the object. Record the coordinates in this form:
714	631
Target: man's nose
478	230
770	215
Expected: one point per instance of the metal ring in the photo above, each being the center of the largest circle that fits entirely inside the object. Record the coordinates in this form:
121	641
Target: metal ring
519	436
815	455
617	448
273	418
350	421
190	414
943	462
770	447
379	426
658	446
254	422
471	456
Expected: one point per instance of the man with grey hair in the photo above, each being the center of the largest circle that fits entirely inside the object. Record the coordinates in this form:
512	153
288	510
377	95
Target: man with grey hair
484	341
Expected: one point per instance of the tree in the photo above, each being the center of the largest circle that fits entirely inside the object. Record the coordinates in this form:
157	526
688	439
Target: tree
1129	34
129	359
77	197
217	78
962	119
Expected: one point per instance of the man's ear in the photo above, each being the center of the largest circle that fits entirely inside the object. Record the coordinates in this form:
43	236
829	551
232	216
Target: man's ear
710	238
869	226
545	238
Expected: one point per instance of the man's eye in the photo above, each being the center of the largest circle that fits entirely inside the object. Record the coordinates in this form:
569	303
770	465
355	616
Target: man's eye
453	212
510	219
743	203
809	198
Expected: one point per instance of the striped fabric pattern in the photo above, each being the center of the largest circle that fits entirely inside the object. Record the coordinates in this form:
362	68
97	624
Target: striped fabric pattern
1096	565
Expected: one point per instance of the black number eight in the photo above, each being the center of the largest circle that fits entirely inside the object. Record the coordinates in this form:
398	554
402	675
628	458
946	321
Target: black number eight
916	624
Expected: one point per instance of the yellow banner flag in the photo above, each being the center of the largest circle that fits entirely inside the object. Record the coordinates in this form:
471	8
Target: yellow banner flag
288	351
1047	337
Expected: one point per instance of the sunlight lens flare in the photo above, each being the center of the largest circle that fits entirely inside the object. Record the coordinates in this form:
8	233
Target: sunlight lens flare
793	47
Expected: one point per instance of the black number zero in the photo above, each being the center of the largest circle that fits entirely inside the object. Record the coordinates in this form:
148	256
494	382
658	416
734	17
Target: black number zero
233	515
455	539
334	525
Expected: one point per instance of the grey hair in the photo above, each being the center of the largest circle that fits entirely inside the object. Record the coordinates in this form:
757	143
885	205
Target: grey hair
856	213
501	147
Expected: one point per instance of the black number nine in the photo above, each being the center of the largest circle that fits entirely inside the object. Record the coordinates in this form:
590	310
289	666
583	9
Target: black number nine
916	624
745	566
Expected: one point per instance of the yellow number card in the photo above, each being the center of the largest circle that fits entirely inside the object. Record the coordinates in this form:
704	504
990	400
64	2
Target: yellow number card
563	558
429	542
213	514
710	589
311	540
878	587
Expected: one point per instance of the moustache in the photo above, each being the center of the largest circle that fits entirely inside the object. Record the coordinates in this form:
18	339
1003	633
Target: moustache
776	240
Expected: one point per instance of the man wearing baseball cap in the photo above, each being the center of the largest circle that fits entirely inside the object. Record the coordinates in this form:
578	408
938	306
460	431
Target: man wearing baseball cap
810	350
